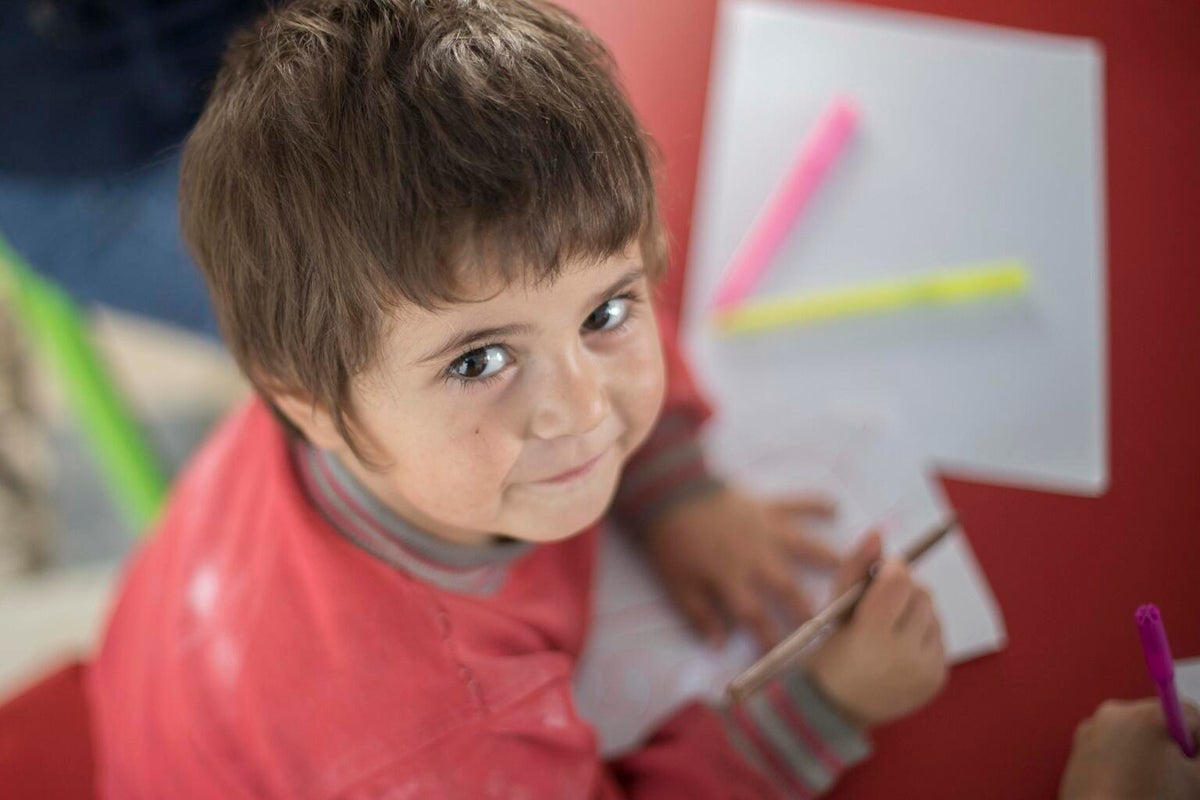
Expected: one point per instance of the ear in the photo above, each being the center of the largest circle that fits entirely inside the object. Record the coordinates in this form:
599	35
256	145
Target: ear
313	420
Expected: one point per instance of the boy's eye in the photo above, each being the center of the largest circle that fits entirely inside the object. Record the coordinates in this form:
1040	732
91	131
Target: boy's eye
481	363
608	315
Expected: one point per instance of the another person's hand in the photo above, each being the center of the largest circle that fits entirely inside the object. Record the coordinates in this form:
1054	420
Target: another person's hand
726	558
888	660
1123	752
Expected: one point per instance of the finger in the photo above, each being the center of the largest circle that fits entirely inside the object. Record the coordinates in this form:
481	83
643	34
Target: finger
854	567
1111	708
780	581
918	613
939	669
746	607
815	504
887	597
808	550
933	634
700	611
1191	716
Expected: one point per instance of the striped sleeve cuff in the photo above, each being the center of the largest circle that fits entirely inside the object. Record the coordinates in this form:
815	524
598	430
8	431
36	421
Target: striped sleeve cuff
792	734
668	469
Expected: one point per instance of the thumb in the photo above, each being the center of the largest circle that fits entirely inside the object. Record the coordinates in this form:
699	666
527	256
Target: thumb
854	568
1191	716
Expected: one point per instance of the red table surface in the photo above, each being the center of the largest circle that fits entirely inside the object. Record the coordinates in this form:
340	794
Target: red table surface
1068	572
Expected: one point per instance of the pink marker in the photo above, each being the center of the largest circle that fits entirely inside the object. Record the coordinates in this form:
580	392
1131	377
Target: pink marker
778	216
1162	672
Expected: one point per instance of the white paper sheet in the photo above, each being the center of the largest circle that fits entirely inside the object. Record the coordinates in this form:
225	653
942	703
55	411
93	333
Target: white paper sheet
974	143
642	661
1187	679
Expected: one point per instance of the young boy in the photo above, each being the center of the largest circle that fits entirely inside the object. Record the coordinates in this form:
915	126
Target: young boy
430	232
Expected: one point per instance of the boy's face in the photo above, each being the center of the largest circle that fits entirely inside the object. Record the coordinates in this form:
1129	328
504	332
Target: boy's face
512	415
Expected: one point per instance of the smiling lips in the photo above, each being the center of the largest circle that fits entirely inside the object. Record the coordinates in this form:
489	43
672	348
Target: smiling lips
575	473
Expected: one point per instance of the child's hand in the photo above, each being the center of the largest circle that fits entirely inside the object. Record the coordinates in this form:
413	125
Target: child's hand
889	659
727	557
1124	750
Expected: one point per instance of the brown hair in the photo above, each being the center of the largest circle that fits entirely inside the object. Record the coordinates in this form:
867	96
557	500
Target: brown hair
356	154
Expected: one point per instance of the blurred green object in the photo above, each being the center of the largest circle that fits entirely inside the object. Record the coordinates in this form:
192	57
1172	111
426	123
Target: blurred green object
127	463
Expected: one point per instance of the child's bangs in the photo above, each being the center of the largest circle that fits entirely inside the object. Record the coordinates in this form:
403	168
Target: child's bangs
536	244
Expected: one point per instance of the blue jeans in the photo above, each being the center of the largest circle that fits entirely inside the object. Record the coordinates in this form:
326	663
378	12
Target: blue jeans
112	240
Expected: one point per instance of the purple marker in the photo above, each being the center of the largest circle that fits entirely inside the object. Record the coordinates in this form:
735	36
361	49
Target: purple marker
1162	672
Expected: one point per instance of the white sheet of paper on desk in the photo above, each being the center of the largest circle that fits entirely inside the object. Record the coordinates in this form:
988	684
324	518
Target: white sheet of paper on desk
974	143
1187	679
643	662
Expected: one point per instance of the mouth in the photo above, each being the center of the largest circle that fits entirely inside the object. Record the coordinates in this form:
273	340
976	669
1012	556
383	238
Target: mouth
573	474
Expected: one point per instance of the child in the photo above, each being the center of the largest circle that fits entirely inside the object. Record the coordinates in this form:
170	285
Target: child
430	232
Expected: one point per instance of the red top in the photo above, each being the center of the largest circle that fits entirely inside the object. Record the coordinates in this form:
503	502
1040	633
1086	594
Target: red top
276	638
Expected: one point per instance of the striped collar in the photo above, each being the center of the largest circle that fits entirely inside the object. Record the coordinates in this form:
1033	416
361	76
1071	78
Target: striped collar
367	522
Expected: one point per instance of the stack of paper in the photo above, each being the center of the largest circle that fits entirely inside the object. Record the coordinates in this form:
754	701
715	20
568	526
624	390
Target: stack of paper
973	144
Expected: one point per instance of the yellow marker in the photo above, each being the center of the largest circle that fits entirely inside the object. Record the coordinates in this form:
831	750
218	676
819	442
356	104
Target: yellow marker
979	282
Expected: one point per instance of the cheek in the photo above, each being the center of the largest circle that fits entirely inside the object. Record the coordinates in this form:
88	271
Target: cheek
454	467
639	385
470	461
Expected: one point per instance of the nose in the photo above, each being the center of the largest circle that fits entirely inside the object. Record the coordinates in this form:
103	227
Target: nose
571	398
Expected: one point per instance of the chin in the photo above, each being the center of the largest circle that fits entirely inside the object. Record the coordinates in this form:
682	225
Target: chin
552	516
555	525
556	530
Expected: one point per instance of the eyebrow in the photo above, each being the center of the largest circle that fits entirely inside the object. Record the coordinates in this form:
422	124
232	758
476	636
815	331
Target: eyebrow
459	342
